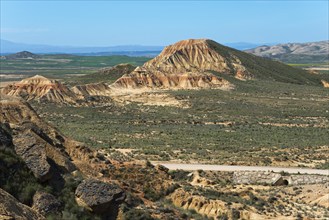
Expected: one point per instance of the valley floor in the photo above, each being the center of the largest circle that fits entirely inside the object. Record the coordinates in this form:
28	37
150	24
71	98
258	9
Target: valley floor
259	123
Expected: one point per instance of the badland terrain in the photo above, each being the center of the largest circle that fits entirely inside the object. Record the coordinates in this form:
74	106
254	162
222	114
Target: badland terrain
85	137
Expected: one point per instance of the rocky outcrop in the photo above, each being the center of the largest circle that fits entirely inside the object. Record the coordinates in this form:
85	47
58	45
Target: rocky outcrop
35	141
36	152
16	111
202	205
99	197
42	89
49	154
33	152
45	203
11	209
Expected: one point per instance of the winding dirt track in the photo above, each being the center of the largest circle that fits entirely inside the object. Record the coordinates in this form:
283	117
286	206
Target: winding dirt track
176	166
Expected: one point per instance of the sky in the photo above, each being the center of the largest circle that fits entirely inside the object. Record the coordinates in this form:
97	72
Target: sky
109	23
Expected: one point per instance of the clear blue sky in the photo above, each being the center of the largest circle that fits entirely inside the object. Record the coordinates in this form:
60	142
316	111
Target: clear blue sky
107	23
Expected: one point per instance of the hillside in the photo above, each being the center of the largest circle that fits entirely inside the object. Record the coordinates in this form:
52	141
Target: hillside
105	74
22	55
317	52
202	63
55	175
41	88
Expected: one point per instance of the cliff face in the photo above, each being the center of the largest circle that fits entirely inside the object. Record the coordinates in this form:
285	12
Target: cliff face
141	78
41	88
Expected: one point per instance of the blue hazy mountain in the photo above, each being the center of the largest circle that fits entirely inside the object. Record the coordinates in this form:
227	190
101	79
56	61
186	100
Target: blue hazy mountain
8	47
12	47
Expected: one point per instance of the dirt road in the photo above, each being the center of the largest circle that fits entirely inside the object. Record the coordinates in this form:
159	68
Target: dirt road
175	166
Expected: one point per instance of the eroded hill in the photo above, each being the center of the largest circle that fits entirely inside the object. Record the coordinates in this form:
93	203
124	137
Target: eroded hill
41	88
192	63
22	55
188	64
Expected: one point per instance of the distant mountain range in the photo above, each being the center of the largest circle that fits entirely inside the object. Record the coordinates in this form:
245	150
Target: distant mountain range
295	52
8	47
312	52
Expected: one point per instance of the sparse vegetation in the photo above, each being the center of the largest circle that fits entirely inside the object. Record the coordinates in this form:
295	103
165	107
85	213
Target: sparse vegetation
63	66
279	118
290	118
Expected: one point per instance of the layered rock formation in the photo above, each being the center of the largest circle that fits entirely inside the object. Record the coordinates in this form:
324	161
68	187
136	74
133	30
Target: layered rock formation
184	65
141	78
199	63
42	89
202	205
194	55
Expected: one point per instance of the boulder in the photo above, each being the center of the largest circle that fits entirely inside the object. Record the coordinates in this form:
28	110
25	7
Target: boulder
33	152
45	203
99	197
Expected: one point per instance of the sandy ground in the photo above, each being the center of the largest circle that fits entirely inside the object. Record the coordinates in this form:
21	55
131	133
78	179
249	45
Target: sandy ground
317	68
146	97
175	166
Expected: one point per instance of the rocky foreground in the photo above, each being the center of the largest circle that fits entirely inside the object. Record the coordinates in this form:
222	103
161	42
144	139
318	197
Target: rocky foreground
53	159
45	174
